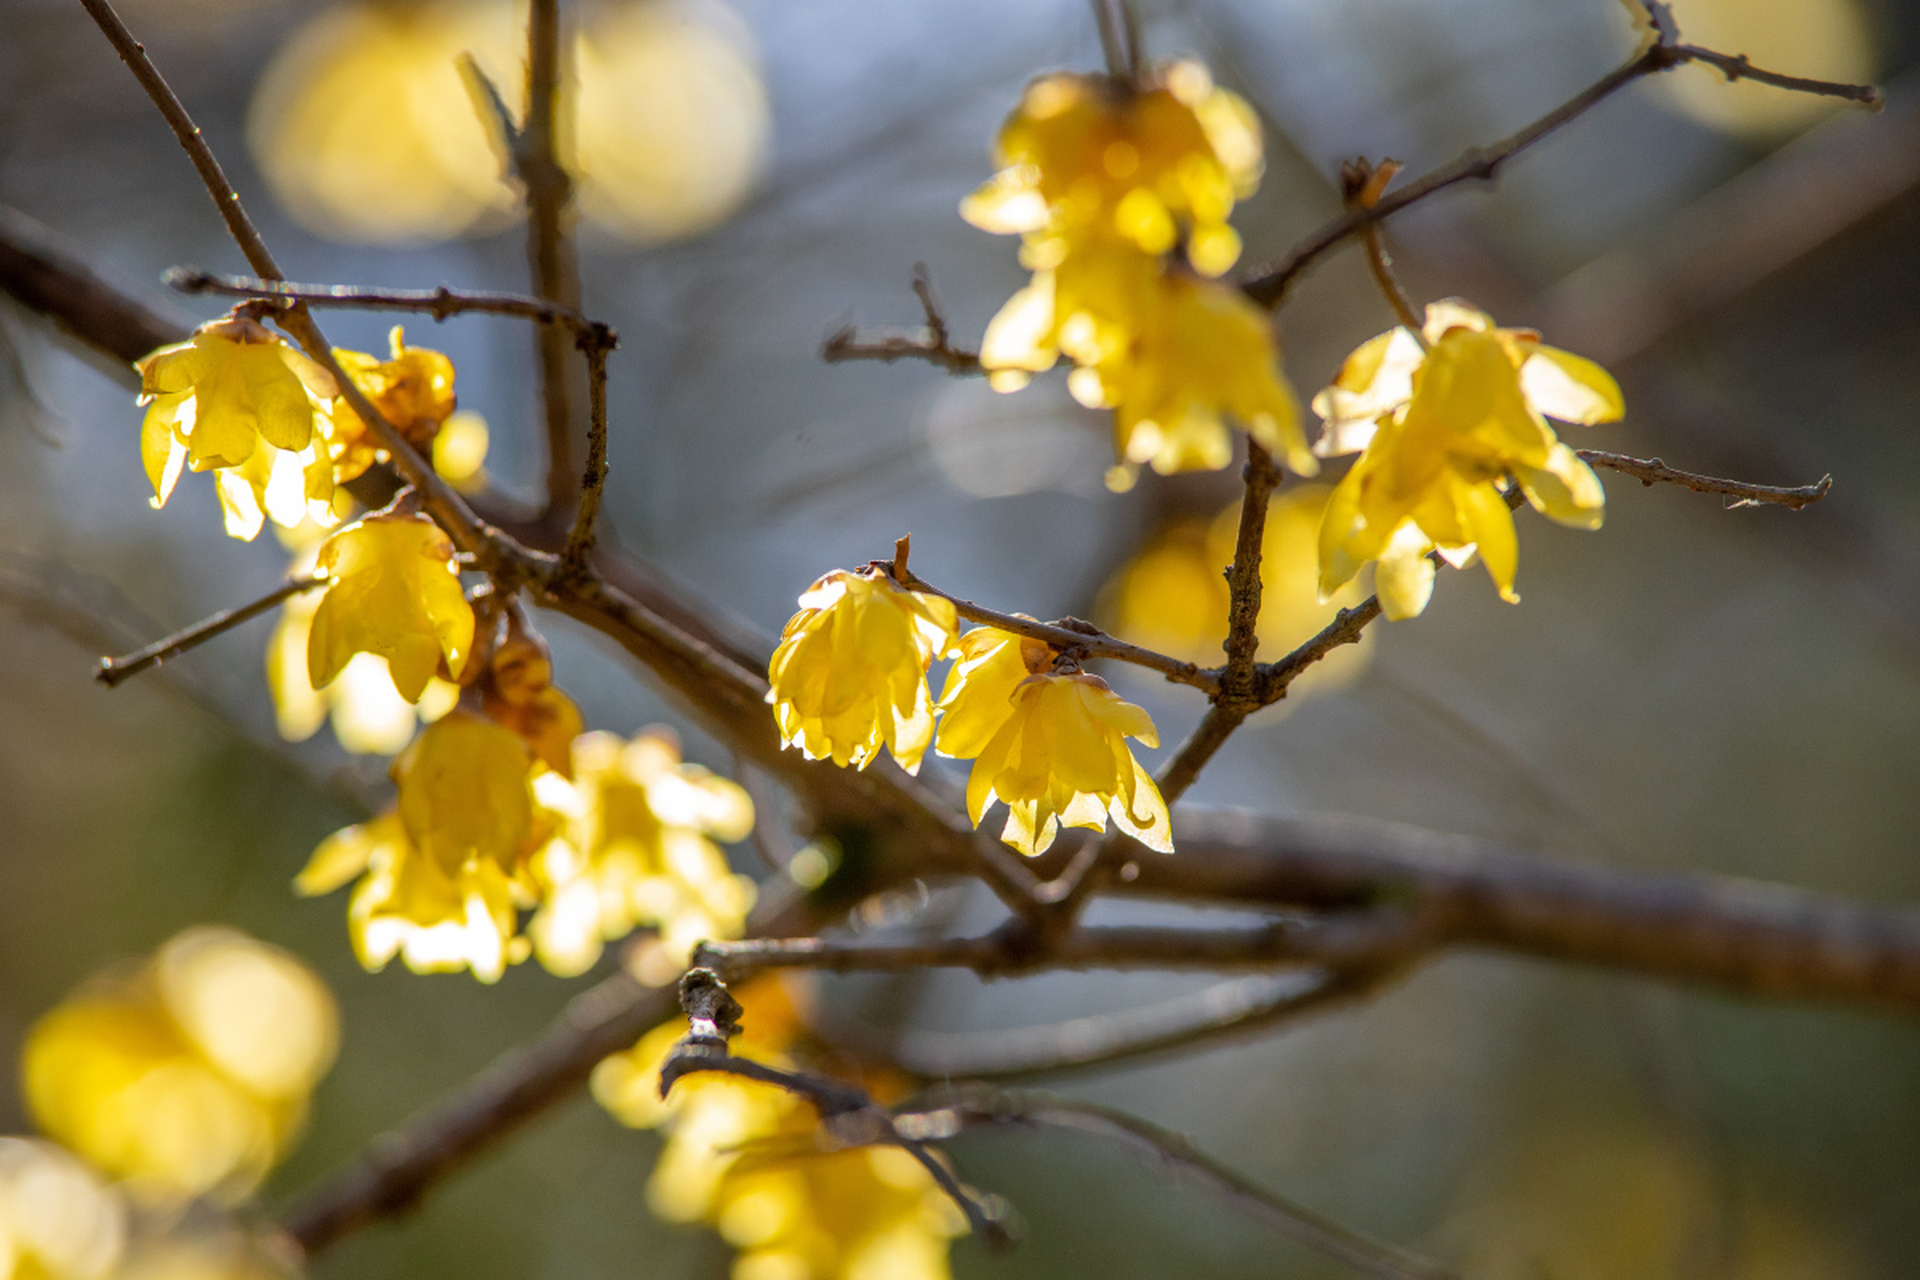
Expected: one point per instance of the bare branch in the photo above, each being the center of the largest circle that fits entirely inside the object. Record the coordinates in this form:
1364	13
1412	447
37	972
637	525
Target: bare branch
933	343
1067	636
43	274
111	671
1269	287
573	560
550	255
1649	471
225	198
1748	938
966	1106
440	303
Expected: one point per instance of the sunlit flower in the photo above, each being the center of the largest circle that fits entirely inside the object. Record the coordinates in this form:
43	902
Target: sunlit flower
369	715
1199	351
190	1074
1086	155
238	400
394	592
413	391
1052	746
636	849
444	875
1440	430
750	1159
850	675
58	1220
1172	596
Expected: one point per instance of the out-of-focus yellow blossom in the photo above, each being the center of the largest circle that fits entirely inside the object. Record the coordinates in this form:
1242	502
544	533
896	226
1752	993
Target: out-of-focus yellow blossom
1440	430
1172	596
1052	746
460	452
238	400
394	592
369	715
670	120
850	675
1087	306
1089	156
750	1159
205	1253
413	391
367	132
636	849
1199	350
58	1220
189	1075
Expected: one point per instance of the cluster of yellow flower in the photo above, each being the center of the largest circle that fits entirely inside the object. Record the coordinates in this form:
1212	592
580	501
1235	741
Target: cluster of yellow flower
237	400
749	1159
850	677
1103	179
506	806
176	1082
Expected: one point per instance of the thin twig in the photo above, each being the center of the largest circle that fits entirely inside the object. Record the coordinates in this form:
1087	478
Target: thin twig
847	1112
1269	287
550	257
440	303
1650	471
111	671
225	198
955	1108
1339	938
1067	636
934	343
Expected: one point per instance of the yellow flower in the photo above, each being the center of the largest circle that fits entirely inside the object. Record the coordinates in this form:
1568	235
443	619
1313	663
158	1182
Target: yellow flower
636	849
413	391
1084	155
850	675
1199	350
749	1159
1172	596
444	875
394	592
1053	747
1440	430
58	1220
437	920
369	715
238	400
189	1075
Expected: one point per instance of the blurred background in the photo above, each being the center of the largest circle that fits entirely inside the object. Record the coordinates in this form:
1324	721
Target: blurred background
1691	688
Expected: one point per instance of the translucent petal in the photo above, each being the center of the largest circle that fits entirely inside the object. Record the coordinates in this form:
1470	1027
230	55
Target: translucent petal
1566	489
1404	578
1571	388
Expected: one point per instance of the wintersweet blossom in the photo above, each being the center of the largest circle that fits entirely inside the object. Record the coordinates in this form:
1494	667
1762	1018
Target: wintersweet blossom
59	1220
635	848
413	390
1441	422
1051	745
237	400
749	1159
394	592
1087	155
850	674
187	1075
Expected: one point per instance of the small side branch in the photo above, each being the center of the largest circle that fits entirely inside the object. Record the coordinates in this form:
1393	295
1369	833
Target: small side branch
969	1106
573	559
933	343
1270	286
848	1113
111	671
1068	635
1651	471
440	303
